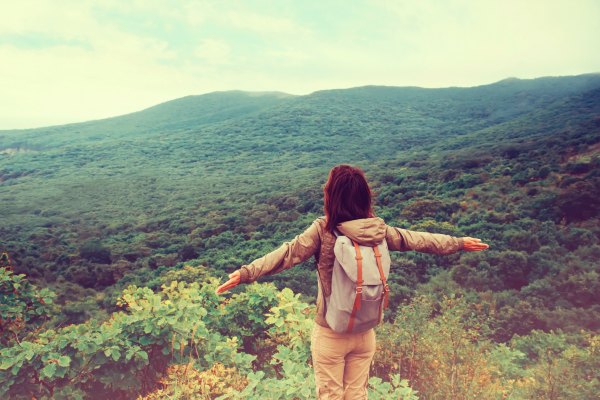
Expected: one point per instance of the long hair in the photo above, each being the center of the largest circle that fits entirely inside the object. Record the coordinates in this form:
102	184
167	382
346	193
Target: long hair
347	196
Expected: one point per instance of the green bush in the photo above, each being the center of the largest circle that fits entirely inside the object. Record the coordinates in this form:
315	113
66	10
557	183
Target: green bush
94	251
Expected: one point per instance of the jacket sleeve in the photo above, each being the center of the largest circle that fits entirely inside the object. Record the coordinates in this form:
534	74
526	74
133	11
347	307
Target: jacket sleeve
403	240
299	249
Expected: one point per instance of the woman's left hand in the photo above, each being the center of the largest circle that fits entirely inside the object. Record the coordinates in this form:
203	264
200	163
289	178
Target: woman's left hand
473	244
234	280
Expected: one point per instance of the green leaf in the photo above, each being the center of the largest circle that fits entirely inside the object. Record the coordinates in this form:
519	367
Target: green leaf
145	340
129	353
115	354
143	355
64	361
16	368
61	372
6	364
291	390
48	371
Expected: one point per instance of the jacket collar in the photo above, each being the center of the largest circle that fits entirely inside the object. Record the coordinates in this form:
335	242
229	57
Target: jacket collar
365	231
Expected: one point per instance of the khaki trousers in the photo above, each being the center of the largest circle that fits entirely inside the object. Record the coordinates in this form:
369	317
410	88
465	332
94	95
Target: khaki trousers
341	362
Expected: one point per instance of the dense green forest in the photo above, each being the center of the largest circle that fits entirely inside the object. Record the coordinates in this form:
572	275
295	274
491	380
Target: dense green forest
118	231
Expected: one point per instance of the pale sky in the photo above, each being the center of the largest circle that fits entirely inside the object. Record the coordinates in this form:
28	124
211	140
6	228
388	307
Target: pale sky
69	61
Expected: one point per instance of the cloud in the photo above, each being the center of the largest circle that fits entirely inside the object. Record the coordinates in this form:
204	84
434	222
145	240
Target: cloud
264	24
459	42
213	51
113	72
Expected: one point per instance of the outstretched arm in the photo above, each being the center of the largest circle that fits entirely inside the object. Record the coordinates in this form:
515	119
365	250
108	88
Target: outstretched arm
399	239
299	249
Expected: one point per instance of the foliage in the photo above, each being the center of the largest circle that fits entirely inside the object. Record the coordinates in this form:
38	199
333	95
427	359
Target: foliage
93	251
23	307
244	315
184	381
287	374
564	368
122	356
442	351
396	389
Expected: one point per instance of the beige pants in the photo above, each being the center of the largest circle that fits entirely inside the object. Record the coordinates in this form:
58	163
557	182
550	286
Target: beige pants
341	362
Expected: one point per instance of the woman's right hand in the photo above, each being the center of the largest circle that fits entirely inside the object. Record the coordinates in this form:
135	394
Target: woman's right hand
473	244
234	280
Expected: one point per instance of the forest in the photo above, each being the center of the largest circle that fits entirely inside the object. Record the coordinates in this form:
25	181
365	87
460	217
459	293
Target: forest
115	234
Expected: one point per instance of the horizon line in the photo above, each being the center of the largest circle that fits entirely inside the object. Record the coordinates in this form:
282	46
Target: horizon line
267	92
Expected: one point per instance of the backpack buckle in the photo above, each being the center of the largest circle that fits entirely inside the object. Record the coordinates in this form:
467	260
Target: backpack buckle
359	289
386	288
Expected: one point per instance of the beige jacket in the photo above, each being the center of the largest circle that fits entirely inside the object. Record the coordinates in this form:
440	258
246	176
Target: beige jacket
318	242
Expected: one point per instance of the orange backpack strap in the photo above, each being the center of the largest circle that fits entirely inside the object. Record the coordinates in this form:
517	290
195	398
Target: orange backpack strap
386	288
359	282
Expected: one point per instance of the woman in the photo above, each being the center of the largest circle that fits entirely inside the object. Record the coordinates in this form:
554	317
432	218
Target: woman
341	361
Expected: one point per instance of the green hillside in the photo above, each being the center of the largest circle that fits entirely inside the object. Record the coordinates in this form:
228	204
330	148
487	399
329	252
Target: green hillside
195	187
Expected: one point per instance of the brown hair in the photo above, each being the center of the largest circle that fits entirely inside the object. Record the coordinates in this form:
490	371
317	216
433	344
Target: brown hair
347	196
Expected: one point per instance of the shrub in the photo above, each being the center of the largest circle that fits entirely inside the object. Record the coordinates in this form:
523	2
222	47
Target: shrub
94	251
23	307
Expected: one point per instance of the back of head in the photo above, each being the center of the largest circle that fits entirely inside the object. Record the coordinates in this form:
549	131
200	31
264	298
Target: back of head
347	196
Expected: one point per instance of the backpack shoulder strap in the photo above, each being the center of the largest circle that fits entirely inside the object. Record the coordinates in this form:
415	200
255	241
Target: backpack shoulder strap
359	282
386	288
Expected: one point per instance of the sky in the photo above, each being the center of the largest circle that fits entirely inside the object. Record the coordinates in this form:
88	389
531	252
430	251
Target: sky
70	61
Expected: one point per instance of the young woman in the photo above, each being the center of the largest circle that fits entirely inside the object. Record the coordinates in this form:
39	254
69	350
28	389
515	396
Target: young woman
341	361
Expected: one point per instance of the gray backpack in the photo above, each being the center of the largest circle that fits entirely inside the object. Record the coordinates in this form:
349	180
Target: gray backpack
359	289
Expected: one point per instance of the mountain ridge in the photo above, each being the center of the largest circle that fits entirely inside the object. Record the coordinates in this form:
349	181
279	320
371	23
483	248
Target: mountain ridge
190	100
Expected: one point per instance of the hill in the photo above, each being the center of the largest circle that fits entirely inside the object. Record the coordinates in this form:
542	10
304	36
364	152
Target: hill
194	188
